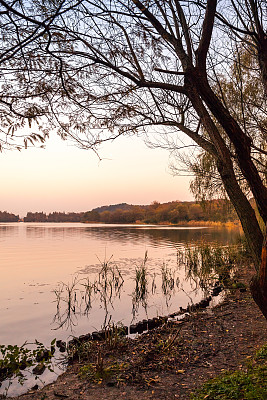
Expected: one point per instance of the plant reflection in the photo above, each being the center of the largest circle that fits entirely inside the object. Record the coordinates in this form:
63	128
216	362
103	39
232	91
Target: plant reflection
140	293
168	282
202	264
76	298
205	263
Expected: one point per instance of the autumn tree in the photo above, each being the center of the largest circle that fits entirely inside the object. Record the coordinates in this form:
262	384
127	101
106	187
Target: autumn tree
105	69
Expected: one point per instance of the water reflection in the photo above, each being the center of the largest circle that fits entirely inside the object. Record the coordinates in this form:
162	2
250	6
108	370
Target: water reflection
137	234
192	276
33	255
156	235
76	298
8	230
34	232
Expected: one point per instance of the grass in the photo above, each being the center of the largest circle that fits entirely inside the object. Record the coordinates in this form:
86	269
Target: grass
248	384
95	372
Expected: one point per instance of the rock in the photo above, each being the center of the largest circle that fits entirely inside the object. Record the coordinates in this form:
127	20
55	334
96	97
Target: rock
84	338
204	303
216	290
133	328
156	322
151	324
140	327
97	335
145	324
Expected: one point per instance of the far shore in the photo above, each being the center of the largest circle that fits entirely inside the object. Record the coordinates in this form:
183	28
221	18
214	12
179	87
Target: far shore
192	223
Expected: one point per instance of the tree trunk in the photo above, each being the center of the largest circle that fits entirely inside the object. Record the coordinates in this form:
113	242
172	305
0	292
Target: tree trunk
241	204
258	284
239	139
244	211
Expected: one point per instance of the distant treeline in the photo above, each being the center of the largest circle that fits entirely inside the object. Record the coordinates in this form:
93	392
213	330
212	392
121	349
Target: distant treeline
173	212
54	217
8	217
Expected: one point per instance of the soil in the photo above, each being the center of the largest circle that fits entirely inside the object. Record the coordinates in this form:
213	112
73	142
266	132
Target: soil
169	362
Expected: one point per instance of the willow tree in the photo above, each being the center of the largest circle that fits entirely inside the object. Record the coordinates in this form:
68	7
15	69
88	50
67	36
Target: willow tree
105	69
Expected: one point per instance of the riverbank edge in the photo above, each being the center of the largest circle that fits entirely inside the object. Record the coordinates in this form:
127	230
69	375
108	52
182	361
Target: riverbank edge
208	342
181	224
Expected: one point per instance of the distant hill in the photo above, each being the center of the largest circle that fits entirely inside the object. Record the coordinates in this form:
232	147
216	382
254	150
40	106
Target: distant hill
114	207
173	212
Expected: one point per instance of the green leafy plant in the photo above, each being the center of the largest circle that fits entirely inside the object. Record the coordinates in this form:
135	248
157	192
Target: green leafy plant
16	359
248	384
97	372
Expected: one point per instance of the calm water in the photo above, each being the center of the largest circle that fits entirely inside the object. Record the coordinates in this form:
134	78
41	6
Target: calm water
38	262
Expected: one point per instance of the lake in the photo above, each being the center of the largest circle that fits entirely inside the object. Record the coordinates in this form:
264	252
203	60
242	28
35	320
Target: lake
39	263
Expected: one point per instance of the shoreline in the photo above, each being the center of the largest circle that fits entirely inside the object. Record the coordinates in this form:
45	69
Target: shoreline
191	223
171	361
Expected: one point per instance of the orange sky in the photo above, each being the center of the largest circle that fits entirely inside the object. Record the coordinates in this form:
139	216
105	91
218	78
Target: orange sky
65	178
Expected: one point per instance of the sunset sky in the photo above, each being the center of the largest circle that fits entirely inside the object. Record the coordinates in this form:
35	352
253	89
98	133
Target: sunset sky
62	177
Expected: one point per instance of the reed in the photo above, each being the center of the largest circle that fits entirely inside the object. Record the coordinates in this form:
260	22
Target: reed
168	279
141	286
77	296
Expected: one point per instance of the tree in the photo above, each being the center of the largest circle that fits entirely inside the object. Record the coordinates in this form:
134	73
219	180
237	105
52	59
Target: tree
8	217
24	75
111	68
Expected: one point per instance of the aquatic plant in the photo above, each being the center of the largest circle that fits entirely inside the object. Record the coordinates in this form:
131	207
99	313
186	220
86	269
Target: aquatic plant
206	263
168	279
141	287
66	294
76	298
167	282
16	360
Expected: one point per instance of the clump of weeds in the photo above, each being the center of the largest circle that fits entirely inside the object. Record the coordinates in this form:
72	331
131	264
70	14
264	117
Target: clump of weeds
246	384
